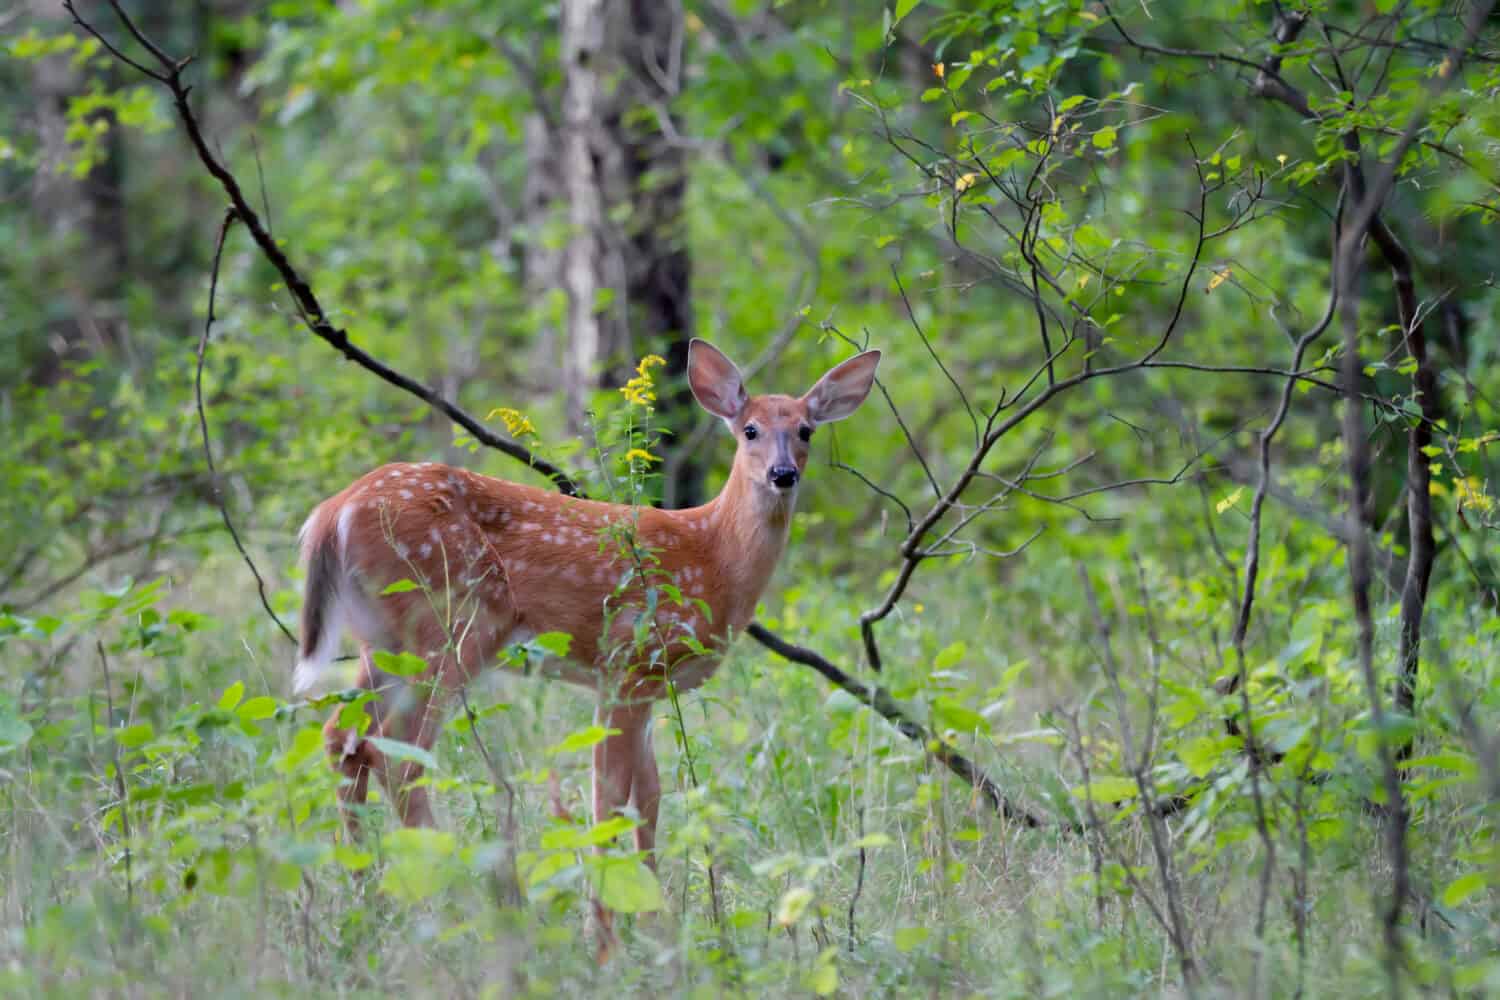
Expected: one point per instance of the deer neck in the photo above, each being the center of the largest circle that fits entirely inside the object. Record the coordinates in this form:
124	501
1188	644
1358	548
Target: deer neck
750	525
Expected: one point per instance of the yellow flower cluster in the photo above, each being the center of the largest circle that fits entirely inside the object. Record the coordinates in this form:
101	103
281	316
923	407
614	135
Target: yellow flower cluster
1471	493
517	424
642	454
641	390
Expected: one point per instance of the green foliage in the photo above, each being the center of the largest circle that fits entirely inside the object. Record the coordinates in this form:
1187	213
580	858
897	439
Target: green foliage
166	809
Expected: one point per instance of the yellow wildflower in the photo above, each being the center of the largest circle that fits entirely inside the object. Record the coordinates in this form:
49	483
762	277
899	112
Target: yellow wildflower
1472	494
517	424
642	454
638	391
641	390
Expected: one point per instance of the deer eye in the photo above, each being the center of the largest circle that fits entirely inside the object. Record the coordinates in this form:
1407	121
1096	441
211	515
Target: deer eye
804	432
751	432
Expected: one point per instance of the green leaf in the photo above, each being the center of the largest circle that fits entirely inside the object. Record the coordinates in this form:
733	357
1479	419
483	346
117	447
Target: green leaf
904	7
907	938
256	709
1108	788
305	745
794	903
950	656
823	980
401	750
1071	103
1230	500
536	869
582	739
15	731
134	736
232	695
1203	754
400	664
1105	137
571	838
553	643
412	878
400	587
626	885
1465	886
948	713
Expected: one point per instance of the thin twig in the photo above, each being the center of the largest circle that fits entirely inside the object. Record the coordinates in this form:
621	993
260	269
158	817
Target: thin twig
208	451
109	706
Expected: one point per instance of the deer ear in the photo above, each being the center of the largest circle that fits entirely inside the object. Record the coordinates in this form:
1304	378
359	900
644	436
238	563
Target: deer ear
840	392
715	381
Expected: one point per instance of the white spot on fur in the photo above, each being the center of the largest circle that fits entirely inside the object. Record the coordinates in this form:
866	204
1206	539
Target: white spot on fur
428	487
426	549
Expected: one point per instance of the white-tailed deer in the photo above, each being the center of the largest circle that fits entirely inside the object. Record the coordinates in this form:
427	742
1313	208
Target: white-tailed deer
497	564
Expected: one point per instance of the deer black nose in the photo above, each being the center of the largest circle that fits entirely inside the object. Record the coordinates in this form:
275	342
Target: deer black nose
783	477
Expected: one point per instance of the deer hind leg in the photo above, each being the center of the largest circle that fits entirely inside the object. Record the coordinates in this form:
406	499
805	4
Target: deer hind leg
416	720
352	755
456	620
645	792
408	711
455	652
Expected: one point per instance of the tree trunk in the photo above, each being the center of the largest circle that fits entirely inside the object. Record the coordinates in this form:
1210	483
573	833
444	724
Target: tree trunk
626	266
88	213
591	157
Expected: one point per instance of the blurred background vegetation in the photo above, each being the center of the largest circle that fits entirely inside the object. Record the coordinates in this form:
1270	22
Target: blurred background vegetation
512	203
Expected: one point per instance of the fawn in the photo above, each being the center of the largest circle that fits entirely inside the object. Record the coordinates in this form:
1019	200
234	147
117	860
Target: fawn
497	563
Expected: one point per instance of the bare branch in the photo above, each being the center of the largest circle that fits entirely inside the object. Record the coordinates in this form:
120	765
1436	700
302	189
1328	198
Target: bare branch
208	451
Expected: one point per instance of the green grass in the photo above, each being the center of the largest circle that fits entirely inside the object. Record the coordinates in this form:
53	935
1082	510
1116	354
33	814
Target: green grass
240	883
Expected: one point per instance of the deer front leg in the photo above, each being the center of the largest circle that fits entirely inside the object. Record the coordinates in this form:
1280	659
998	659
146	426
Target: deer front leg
617	760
